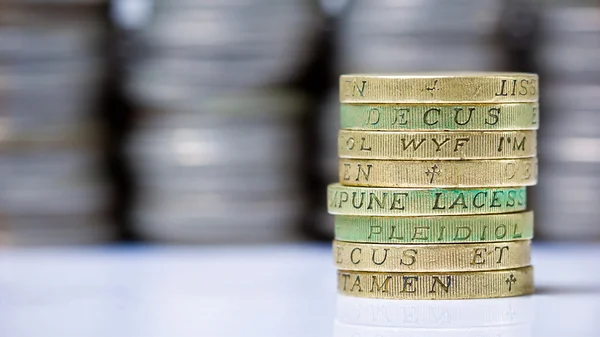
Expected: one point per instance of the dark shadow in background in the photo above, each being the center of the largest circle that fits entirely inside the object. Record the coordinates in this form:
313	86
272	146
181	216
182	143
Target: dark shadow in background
117	115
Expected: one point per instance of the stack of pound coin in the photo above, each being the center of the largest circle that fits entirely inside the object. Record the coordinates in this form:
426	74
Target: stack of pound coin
432	200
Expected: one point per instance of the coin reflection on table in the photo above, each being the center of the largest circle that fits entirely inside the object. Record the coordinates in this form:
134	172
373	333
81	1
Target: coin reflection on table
453	314
364	317
340	330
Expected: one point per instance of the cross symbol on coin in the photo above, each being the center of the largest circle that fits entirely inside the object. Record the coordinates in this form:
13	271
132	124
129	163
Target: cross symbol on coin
432	88
432	171
510	280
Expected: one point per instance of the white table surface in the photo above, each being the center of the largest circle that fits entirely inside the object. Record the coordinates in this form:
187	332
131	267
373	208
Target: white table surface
286	290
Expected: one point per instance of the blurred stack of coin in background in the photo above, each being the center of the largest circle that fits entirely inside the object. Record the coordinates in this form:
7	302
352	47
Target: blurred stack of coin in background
431	197
569	58
406	36
218	143
384	36
52	64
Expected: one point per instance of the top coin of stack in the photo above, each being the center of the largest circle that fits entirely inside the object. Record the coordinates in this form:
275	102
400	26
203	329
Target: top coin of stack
431	201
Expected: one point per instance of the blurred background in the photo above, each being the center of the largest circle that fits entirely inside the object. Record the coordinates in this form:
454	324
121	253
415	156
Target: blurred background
209	122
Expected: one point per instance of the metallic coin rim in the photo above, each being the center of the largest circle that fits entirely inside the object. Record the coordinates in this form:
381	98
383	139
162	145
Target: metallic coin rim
437	174
425	200
388	145
347	227
450	87
458	257
515	116
475	285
